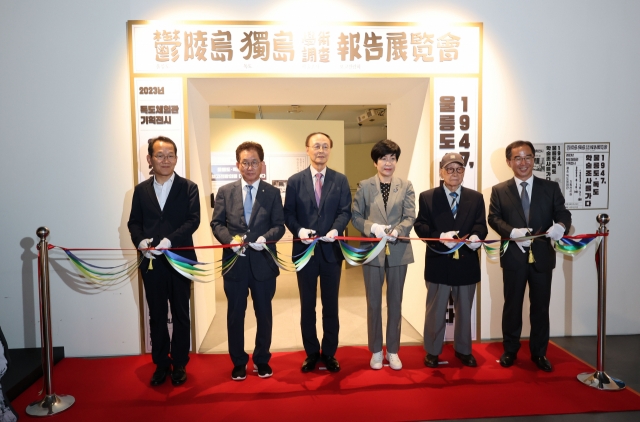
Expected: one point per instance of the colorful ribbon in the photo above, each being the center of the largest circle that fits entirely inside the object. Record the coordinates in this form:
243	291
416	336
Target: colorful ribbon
568	245
572	247
108	278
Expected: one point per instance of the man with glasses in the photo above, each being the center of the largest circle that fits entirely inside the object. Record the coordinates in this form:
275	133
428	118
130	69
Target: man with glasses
522	206
318	203
165	212
248	213
448	212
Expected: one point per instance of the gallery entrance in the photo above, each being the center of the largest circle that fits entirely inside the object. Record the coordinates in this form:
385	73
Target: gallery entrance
406	111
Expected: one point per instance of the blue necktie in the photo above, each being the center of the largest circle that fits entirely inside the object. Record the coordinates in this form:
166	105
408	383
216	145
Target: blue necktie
454	204
248	204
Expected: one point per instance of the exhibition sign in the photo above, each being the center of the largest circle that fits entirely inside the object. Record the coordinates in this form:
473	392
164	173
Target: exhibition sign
587	175
581	170
256	48
163	55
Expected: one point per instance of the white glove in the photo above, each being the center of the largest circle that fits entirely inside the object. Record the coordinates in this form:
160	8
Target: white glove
448	235
475	242
393	236
515	233
236	249
259	244
555	232
378	230
164	244
144	246
330	237
303	234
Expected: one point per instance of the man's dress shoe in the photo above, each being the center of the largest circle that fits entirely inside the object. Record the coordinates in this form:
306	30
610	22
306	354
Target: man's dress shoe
309	363
331	363
507	359
467	360
542	363
431	360
178	375
160	375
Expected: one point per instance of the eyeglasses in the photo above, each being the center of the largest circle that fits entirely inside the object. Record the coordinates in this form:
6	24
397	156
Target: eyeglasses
451	170
318	147
519	159
386	159
253	164
162	157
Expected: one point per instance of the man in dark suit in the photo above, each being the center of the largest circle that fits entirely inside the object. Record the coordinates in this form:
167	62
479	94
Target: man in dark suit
447	212
165	212
249	211
318	202
521	206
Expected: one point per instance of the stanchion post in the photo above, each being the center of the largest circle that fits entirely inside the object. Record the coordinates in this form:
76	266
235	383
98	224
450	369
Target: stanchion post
599	379
51	404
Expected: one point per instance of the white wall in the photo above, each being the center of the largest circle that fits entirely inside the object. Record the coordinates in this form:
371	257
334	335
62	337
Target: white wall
553	72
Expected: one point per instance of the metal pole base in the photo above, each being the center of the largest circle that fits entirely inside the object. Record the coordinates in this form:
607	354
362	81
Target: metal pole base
601	381
50	405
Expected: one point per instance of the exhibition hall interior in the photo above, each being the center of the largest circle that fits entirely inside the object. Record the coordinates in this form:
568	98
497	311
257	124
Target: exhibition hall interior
356	210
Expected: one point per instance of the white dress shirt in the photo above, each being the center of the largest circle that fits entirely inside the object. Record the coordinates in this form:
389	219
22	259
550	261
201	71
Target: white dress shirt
162	191
529	186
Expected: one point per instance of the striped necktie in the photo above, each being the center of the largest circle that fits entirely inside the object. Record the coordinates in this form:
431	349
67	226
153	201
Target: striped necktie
454	204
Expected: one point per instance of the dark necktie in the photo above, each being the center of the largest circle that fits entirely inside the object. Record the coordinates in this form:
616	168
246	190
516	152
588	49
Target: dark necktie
524	196
248	204
454	204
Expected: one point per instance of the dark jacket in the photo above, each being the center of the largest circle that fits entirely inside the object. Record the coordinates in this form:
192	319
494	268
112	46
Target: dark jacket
434	218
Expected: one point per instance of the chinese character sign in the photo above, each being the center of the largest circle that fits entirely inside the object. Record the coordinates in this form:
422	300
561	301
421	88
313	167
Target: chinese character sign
586	180
158	111
166	47
455	124
548	163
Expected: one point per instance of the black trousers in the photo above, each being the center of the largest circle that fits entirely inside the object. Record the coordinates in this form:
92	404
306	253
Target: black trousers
329	274
515	283
164	287
262	293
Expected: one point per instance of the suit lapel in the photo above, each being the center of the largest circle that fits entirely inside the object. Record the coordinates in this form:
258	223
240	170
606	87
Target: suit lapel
375	190
512	193
152	194
440	196
237	204
175	189
326	187
535	207
259	198
464	208
393	195
308	184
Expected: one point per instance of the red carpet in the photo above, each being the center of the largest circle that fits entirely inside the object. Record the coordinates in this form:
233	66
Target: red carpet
116	389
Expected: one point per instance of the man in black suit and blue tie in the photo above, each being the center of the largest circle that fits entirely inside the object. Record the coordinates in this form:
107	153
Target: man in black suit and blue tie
318	203
521	206
165	212
249	211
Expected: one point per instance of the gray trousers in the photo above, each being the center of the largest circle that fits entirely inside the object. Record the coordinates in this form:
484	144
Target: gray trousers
373	280
435	317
